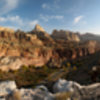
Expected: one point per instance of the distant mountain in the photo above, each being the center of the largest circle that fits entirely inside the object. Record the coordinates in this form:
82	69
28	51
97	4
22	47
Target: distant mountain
89	36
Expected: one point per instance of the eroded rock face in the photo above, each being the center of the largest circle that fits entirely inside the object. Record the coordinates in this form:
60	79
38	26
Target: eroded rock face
44	36
39	28
20	48
65	35
6	29
10	63
39	48
37	58
91	45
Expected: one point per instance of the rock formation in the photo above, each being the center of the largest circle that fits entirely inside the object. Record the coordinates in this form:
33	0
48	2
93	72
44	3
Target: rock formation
65	35
38	48
64	90
42	35
6	29
38	28
89	36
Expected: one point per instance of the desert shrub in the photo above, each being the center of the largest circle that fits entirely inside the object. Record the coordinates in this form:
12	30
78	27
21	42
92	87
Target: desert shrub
68	64
74	68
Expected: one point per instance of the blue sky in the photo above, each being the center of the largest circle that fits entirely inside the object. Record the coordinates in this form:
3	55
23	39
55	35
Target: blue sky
74	15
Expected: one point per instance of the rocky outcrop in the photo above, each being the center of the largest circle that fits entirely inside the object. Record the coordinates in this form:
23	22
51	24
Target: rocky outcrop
63	90
38	28
10	63
43	35
6	29
7	87
65	35
37	58
65	86
78	92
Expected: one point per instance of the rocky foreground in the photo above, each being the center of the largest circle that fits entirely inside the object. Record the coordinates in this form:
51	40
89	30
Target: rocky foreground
62	90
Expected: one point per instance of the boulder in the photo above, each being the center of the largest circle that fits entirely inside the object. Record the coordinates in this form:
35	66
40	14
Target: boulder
65	86
35	94
7	87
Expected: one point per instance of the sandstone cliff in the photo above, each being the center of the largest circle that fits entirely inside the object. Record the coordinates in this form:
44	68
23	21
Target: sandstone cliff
39	48
65	35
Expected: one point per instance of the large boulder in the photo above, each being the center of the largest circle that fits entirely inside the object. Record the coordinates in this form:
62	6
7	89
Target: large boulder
65	86
7	87
30	94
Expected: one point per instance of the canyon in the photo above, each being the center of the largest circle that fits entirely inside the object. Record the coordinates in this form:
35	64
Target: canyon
36	65
38	48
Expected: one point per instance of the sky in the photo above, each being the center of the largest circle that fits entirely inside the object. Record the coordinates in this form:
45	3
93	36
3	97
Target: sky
75	15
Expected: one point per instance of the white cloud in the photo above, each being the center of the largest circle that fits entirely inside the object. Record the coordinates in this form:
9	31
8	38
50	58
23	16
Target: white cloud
47	18
17	22
14	19
78	19
2	19
45	6
55	5
8	5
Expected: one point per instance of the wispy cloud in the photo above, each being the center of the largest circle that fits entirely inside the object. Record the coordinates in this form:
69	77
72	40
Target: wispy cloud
45	6
18	22
47	17
48	6
8	5
78	19
13	19
32	23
